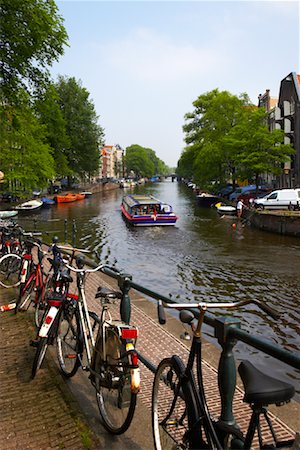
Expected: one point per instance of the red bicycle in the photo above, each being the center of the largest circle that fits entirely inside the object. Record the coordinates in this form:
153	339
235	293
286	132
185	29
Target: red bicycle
33	278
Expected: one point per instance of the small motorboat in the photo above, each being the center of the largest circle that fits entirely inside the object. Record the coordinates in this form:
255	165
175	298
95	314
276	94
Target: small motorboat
206	200
225	210
48	201
145	210
87	193
67	198
8	214
31	205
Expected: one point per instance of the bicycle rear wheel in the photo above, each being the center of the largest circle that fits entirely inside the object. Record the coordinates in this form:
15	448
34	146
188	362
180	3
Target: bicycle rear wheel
173	412
10	266
115	400
39	355
24	299
41	301
69	340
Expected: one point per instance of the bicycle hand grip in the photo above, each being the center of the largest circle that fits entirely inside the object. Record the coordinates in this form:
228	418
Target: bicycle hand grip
161	313
268	310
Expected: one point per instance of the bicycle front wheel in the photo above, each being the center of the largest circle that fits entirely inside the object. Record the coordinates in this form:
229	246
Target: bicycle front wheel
24	299
10	266
69	341
115	399
171	417
39	355
41	301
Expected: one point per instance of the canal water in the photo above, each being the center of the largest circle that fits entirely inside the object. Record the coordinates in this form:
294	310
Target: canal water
202	258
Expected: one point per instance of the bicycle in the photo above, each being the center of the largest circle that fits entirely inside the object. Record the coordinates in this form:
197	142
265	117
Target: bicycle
33	278
180	415
11	261
111	358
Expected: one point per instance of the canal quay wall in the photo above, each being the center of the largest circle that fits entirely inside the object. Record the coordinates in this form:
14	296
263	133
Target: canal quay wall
51	413
280	222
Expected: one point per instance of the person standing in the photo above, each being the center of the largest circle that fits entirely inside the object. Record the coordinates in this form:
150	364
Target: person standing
239	207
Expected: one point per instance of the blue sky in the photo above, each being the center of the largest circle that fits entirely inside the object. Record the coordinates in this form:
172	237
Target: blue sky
145	62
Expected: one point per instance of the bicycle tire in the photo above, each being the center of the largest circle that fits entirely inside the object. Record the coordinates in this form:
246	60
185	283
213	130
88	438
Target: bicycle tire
174	410
10	266
41	302
69	340
115	400
39	355
24	299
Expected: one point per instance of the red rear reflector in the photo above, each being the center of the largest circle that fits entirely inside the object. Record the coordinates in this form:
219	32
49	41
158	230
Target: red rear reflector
73	356
74	296
134	359
55	303
48	320
27	256
128	333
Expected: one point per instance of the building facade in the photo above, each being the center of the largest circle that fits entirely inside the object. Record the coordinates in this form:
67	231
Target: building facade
288	118
284	114
112	162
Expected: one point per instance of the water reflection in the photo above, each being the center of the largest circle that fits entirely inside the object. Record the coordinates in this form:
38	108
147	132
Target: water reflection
203	257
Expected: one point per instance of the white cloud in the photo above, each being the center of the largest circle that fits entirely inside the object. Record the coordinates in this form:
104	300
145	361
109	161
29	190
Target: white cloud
148	56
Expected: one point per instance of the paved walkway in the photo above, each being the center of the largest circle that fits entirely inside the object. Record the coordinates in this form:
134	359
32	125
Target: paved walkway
50	413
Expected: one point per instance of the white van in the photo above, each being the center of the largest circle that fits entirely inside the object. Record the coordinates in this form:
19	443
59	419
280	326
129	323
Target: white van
280	199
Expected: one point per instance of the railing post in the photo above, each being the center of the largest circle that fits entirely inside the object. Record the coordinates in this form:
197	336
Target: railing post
125	307
227	368
66	230
74	230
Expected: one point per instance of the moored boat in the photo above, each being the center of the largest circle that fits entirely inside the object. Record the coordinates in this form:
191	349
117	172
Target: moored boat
207	200
225	210
67	198
87	193
80	196
31	205
145	210
48	201
8	214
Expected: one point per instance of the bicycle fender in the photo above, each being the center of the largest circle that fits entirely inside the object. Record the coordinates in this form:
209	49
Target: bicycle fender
24	271
48	321
134	372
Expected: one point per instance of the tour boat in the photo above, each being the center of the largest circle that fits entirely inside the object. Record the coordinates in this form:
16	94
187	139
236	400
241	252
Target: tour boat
145	210
31	205
65	198
7	214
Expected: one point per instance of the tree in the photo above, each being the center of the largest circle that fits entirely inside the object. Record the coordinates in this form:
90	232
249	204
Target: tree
25	156
32	37
215	114
256	149
84	133
49	113
138	161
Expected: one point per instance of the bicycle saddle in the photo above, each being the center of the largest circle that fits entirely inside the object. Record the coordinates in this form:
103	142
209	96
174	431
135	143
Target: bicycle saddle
261	388
107	293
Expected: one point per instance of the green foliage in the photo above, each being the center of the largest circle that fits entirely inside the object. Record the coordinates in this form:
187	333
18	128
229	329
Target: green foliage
49	113
81	125
144	162
227	137
32	38
25	156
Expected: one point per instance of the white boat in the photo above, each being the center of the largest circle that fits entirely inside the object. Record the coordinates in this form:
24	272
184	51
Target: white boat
226	210
7	214
86	193
31	205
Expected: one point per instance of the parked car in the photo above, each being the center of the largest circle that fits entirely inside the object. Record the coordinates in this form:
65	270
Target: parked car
226	191
9	197
253	194
241	190
280	199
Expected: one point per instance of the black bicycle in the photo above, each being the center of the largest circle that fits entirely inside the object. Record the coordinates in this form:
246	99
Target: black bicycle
180	415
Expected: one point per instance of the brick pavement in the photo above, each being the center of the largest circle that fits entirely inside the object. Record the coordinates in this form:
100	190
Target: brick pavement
43	414
37	414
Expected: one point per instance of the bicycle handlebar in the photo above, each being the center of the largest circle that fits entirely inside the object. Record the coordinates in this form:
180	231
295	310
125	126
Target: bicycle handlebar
74	269
202	306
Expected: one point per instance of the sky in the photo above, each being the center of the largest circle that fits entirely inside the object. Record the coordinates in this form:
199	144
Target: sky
145	62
